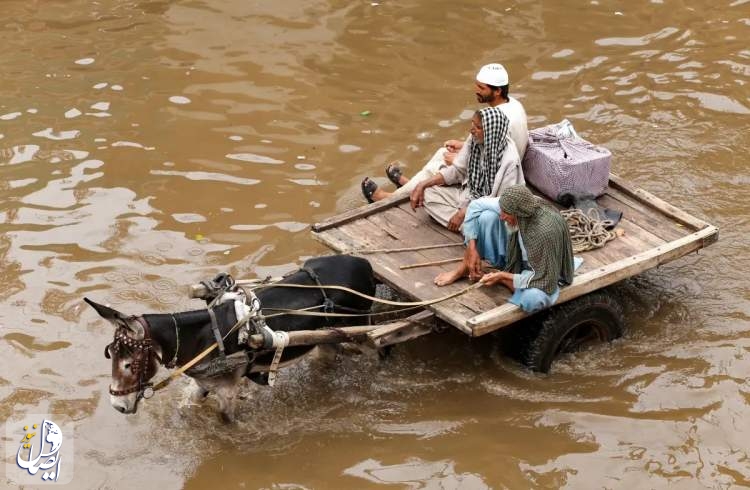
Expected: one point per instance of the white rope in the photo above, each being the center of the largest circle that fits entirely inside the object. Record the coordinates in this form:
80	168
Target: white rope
373	298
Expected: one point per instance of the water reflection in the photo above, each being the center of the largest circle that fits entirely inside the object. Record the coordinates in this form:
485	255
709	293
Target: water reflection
416	474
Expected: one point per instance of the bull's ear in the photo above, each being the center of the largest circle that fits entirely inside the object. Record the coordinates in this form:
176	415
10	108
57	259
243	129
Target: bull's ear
105	311
118	319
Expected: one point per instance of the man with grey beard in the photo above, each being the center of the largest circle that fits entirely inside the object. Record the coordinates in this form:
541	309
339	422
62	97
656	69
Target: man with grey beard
532	247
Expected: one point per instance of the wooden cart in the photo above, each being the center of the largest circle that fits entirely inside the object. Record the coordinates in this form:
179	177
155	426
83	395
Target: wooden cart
654	233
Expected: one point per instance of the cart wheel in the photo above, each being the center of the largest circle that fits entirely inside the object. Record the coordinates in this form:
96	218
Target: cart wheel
590	319
385	352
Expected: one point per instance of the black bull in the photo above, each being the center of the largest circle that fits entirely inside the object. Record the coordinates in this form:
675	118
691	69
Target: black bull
195	333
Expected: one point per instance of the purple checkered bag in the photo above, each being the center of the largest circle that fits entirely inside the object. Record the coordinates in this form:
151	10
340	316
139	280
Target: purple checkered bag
556	165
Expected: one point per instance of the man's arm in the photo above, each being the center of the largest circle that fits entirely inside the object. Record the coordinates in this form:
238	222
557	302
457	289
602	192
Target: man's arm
509	173
508	279
417	195
499	277
456	173
453	146
454	224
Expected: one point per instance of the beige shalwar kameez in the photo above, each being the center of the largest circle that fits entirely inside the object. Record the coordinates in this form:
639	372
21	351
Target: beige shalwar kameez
442	202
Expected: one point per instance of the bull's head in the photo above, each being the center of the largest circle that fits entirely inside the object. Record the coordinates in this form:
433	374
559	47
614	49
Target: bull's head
135	359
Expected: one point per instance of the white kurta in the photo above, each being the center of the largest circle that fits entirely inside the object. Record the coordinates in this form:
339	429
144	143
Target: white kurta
519	129
442	202
518	132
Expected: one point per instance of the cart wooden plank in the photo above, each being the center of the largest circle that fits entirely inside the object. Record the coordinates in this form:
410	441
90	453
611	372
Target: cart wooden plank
401	331
410	283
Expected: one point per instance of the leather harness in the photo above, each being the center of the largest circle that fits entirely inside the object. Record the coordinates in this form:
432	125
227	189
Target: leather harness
143	350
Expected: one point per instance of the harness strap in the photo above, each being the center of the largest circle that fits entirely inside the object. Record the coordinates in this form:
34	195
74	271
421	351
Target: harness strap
161	384
328	305
217	334
280	340
143	350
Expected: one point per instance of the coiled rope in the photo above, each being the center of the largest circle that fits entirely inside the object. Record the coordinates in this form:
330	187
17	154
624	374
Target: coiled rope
587	231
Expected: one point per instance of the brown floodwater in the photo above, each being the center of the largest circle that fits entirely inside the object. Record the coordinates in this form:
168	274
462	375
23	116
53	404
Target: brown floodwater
147	145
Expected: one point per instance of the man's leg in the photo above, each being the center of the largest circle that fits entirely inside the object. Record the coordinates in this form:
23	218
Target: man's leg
532	300
441	202
490	244
445	278
491	238
429	170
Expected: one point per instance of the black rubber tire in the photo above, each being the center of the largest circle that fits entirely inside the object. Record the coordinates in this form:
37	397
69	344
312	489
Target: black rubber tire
596	317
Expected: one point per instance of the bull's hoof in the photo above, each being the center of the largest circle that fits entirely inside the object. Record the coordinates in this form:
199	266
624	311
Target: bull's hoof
226	418
198	395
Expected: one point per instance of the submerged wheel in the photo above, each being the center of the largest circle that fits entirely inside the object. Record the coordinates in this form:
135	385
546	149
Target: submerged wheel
590	319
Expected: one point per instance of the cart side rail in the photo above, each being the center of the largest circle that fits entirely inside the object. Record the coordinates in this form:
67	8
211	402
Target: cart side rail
653	202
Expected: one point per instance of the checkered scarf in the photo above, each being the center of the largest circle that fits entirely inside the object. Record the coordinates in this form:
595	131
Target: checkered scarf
484	159
545	236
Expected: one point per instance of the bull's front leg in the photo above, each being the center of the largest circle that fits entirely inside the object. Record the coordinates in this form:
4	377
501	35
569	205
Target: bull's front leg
199	392
226	393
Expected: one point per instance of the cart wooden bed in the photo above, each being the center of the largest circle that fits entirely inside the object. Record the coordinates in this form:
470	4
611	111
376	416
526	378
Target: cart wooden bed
655	232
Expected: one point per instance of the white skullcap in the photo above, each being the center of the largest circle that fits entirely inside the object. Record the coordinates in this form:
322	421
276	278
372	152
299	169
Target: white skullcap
493	74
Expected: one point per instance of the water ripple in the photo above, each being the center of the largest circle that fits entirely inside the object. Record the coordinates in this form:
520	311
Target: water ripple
208	176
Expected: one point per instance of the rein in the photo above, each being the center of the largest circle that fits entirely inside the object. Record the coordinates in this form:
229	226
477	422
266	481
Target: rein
367	296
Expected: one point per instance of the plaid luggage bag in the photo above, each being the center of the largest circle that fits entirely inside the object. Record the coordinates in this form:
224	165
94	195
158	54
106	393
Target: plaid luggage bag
556	164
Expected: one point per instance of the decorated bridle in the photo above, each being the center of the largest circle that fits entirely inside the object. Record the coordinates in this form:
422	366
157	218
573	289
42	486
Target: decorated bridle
141	365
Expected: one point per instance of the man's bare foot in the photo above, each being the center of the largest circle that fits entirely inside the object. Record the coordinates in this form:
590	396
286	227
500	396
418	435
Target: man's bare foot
445	278
380	194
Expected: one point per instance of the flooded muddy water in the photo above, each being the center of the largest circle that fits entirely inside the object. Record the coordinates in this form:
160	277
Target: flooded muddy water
147	145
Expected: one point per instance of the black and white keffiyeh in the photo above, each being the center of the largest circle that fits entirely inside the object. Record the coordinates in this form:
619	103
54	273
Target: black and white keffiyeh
484	159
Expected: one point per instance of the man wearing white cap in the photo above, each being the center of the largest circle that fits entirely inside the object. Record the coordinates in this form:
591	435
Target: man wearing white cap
491	88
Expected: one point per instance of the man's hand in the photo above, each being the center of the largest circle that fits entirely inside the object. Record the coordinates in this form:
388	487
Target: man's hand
417	197
492	278
449	157
473	261
500	277
454	224
453	146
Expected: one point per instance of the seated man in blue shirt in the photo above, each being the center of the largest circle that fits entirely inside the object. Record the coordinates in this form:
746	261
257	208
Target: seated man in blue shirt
532	248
